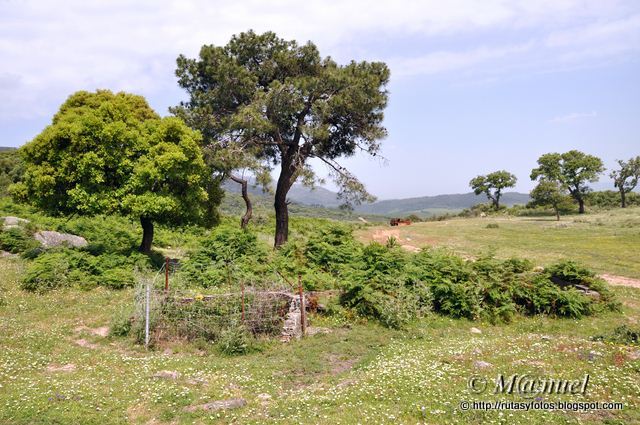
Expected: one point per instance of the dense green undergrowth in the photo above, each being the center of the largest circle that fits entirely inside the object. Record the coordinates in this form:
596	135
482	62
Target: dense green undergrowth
382	282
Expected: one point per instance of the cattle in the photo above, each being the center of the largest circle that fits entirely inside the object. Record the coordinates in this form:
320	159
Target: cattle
399	222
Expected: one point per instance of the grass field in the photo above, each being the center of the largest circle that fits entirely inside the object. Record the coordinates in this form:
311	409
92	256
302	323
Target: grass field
608	242
57	366
356	374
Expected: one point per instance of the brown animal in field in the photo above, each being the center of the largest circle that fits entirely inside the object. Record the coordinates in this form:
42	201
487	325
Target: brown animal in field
399	222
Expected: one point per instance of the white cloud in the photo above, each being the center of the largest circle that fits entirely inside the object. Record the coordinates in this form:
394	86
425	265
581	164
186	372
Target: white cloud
56	48
573	116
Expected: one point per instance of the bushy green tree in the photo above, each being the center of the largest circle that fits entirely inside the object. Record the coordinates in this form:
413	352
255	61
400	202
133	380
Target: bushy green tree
573	170
492	185
111	153
281	103
549	193
10	169
626	178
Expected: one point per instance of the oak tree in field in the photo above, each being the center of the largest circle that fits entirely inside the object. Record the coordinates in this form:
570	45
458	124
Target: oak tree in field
550	193
492	185
626	178
573	170
111	153
283	104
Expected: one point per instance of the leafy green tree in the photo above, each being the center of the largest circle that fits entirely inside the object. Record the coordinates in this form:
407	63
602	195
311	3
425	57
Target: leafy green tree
281	103
549	193
626	178
111	153
492	185
10	169
572	170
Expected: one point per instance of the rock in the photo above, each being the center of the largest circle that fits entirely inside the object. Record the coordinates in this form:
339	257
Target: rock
483	215
50	239
69	367
232	403
363	220
167	352
167	374
476	351
475	331
634	355
545	338
479	364
538	269
11	222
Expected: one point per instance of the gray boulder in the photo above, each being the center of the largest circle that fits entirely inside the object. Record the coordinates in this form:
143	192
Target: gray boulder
10	222
50	239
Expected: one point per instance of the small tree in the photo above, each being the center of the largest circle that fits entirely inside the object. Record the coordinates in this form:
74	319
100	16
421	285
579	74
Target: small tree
626	178
572	170
549	193
282	104
111	153
492	185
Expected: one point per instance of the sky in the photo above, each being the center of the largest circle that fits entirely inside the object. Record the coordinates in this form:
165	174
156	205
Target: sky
476	86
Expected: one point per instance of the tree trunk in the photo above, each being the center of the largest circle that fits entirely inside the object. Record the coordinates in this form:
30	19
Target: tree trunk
147	235
557	213
281	206
244	221
581	205
623	200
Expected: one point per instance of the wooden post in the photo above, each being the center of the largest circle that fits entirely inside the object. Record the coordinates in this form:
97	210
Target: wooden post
302	308
166	275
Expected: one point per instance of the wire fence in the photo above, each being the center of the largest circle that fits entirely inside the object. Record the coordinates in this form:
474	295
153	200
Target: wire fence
165	313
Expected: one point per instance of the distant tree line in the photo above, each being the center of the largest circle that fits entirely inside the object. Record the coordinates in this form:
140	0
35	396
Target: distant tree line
562	178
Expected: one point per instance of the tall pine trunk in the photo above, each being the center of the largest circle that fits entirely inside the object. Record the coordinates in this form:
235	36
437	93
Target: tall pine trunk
147	235
281	206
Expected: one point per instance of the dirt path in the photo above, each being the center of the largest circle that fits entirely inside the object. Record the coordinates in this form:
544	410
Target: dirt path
621	280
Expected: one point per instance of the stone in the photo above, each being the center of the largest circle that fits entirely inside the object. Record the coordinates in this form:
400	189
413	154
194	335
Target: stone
50	239
475	331
231	403
479	364
167	374
11	222
6	254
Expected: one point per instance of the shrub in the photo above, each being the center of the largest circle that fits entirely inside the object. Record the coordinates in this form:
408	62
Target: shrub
16	240
46	272
492	226
229	251
118	278
621	335
234	341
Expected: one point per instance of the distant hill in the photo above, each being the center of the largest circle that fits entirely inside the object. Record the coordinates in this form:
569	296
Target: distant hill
423	206
6	148
430	205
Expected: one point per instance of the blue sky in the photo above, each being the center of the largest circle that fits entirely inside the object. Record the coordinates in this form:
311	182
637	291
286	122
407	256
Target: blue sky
476	86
